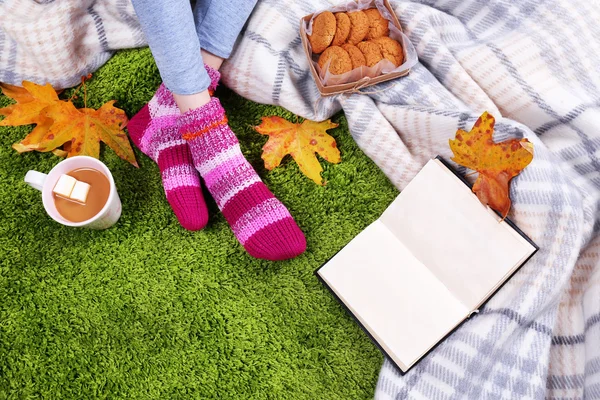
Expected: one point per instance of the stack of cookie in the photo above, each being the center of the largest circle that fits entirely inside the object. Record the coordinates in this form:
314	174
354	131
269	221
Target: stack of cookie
353	39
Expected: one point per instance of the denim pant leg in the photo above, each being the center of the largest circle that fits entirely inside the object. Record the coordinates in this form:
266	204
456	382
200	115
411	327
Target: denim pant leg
219	22
171	33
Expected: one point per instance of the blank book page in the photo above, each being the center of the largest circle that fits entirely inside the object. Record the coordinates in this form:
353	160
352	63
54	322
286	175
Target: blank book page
461	241
396	298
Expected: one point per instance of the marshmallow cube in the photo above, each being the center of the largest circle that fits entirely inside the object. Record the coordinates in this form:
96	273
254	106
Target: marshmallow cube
80	192
64	186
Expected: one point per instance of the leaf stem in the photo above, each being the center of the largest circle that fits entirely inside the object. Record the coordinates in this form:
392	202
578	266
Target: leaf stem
83	79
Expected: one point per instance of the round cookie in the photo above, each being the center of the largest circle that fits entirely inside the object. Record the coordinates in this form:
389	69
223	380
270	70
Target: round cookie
340	60
359	26
390	49
323	31
356	56
342	29
378	26
371	52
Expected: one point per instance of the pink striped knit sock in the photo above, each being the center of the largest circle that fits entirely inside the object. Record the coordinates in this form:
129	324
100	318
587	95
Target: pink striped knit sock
259	221
153	130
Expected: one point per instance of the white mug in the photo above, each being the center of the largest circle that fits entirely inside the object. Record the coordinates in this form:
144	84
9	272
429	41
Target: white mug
109	214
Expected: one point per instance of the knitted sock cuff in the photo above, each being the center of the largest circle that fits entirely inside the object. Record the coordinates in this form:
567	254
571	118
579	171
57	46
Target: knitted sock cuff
214	76
164	96
197	122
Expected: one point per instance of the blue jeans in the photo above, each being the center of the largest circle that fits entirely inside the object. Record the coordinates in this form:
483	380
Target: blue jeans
176	32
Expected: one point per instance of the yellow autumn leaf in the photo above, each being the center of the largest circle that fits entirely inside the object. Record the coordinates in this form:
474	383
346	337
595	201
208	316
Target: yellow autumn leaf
85	128
497	163
31	100
301	141
60	123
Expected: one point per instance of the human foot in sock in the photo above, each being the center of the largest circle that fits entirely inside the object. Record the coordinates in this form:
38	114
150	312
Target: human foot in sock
259	221
154	132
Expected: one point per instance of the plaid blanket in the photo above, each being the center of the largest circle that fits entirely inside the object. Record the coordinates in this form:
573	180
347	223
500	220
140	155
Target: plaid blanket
59	41
532	64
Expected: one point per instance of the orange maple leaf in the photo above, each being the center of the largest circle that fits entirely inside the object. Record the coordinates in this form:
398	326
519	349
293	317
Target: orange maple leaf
31	100
59	123
497	163
301	141
17	93
85	128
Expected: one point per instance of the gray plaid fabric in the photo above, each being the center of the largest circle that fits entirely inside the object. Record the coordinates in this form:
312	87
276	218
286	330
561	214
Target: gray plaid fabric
59	41
535	65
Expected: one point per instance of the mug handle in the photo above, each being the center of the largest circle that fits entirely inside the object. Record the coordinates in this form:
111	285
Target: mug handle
35	179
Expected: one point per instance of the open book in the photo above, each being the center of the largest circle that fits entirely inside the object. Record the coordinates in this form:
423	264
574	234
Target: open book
426	265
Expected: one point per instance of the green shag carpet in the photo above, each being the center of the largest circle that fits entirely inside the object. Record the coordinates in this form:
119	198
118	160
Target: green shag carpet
147	310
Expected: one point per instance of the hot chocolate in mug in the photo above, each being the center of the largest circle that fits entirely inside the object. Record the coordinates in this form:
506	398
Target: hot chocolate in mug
108	215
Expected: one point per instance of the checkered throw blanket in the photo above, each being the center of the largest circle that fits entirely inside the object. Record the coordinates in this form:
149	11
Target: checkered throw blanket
533	64
59	41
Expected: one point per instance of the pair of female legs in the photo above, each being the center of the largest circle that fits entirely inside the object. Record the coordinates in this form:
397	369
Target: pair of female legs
184	129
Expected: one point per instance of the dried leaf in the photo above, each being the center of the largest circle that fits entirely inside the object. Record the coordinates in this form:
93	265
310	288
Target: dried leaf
59	123
17	93
85	128
32	141
497	163
301	141
31	100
